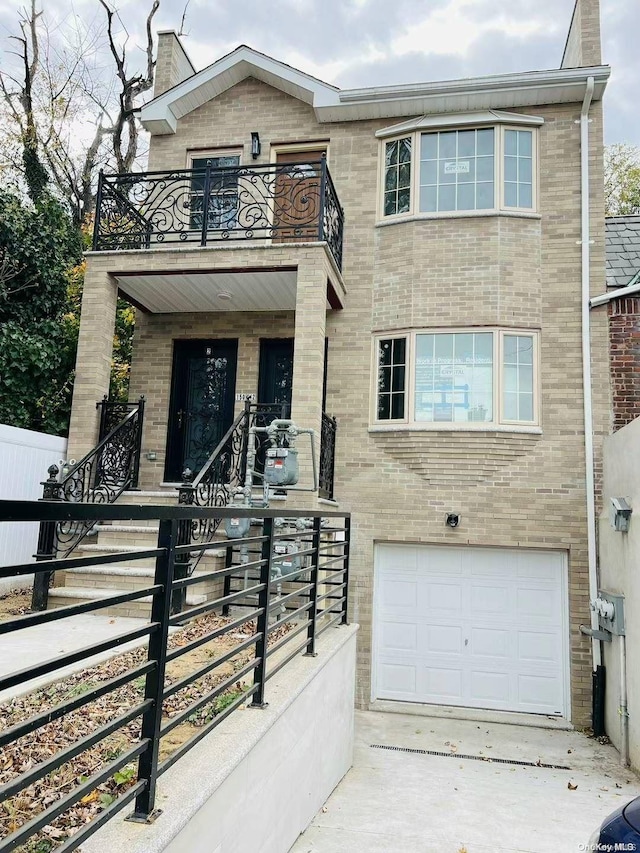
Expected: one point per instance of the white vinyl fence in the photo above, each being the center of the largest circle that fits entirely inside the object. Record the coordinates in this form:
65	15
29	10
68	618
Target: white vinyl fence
24	459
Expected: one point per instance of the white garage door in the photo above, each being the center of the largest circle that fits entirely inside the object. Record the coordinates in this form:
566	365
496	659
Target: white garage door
475	627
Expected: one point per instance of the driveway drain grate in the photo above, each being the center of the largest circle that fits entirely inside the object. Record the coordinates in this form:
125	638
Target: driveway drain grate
486	758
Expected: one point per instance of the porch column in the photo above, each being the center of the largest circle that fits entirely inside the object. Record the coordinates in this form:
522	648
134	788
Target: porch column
308	352
93	360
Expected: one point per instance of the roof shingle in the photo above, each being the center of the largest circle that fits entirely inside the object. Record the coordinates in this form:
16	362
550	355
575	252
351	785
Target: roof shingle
622	240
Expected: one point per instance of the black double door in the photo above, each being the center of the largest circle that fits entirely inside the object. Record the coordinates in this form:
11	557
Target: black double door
276	373
202	402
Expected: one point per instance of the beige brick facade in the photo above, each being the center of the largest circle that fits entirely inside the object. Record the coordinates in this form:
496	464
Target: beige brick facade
511	488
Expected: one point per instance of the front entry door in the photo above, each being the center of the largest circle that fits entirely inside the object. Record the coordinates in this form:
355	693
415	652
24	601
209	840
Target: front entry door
275	382
276	372
201	408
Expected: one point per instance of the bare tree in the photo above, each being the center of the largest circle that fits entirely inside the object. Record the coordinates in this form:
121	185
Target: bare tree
54	86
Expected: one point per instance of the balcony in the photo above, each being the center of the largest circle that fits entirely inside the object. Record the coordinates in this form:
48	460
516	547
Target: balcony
276	203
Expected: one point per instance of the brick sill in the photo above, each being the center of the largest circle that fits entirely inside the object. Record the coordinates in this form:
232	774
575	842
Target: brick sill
439	427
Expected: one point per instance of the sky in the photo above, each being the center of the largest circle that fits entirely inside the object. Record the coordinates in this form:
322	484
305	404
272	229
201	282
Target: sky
353	43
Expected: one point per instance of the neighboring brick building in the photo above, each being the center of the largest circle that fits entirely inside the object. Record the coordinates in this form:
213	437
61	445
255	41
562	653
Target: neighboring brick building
451	309
623	271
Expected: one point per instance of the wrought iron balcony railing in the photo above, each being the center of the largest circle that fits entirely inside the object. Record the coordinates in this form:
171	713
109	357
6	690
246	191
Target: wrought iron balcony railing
283	202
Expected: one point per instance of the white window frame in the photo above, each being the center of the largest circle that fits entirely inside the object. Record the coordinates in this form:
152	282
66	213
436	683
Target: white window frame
498	422
499	149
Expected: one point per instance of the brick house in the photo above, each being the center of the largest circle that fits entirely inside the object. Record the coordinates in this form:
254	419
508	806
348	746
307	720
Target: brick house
622	296
412	261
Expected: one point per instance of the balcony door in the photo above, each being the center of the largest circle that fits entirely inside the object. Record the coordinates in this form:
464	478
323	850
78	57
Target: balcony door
297	195
222	172
201	407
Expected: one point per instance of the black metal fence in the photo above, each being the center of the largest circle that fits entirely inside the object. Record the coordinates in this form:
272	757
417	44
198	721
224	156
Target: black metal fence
326	470
283	202
296	569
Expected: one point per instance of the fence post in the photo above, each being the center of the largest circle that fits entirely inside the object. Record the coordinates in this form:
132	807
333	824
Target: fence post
154	685
46	543
135	473
226	583
205	204
313	592
323	190
186	497
260	672
347	549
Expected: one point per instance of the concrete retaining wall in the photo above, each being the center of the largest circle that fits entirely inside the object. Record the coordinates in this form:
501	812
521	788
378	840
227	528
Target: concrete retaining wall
256	782
620	573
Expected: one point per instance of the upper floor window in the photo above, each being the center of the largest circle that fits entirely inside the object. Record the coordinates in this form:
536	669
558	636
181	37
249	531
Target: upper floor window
457	377
466	170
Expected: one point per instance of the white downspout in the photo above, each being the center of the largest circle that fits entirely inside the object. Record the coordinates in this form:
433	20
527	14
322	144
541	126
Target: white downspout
586	363
624	710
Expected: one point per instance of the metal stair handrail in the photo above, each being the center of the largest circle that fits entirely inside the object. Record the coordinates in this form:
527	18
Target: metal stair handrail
101	476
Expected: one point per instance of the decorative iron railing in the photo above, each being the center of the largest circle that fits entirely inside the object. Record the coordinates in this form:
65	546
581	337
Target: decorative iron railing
112	413
100	477
283	202
143	687
223	473
327	456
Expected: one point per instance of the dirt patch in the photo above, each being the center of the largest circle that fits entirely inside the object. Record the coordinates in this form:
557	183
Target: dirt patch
15	603
55	736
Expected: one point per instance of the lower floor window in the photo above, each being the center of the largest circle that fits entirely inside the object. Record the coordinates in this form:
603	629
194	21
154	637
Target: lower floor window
454	377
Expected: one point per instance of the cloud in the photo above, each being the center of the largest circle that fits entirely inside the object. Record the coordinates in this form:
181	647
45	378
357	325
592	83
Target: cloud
378	42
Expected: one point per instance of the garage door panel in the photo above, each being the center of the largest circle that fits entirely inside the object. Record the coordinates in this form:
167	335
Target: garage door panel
538	647
490	600
443	639
404	559
444	561
540	605
400	593
539	565
438	597
471	627
399	636
491	687
443	682
538	693
490	642
488	563
398	678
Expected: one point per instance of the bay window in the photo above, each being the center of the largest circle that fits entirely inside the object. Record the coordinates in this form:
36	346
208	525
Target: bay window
473	377
465	170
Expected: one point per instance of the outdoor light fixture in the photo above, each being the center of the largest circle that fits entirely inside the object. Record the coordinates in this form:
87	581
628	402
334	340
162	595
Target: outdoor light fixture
255	144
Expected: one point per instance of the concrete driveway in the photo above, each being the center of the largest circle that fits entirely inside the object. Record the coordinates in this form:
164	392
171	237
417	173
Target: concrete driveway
412	802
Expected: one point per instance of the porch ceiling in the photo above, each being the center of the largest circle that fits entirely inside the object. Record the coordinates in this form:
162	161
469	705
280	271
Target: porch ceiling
169	293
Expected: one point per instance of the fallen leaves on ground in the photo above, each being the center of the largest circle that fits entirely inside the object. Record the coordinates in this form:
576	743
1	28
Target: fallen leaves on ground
31	750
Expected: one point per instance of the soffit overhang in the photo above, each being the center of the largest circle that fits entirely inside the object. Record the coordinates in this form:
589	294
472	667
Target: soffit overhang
496	92
211	291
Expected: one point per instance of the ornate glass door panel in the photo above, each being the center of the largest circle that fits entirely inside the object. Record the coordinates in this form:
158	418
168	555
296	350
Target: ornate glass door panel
217	178
201	410
274	386
297	195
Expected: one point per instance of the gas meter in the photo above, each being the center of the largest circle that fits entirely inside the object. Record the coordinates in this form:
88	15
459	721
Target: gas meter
281	466
235	527
286	563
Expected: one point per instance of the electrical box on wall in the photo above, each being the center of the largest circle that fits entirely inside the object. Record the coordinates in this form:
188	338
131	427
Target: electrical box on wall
610	609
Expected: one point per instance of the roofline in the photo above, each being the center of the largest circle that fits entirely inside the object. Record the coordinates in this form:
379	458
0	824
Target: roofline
628	217
330	104
627	290
520	80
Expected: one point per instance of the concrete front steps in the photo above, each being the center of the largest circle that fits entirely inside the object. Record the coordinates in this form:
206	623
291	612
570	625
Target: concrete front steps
75	586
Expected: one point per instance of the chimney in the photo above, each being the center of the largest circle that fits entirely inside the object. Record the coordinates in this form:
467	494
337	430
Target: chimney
172	63
583	42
